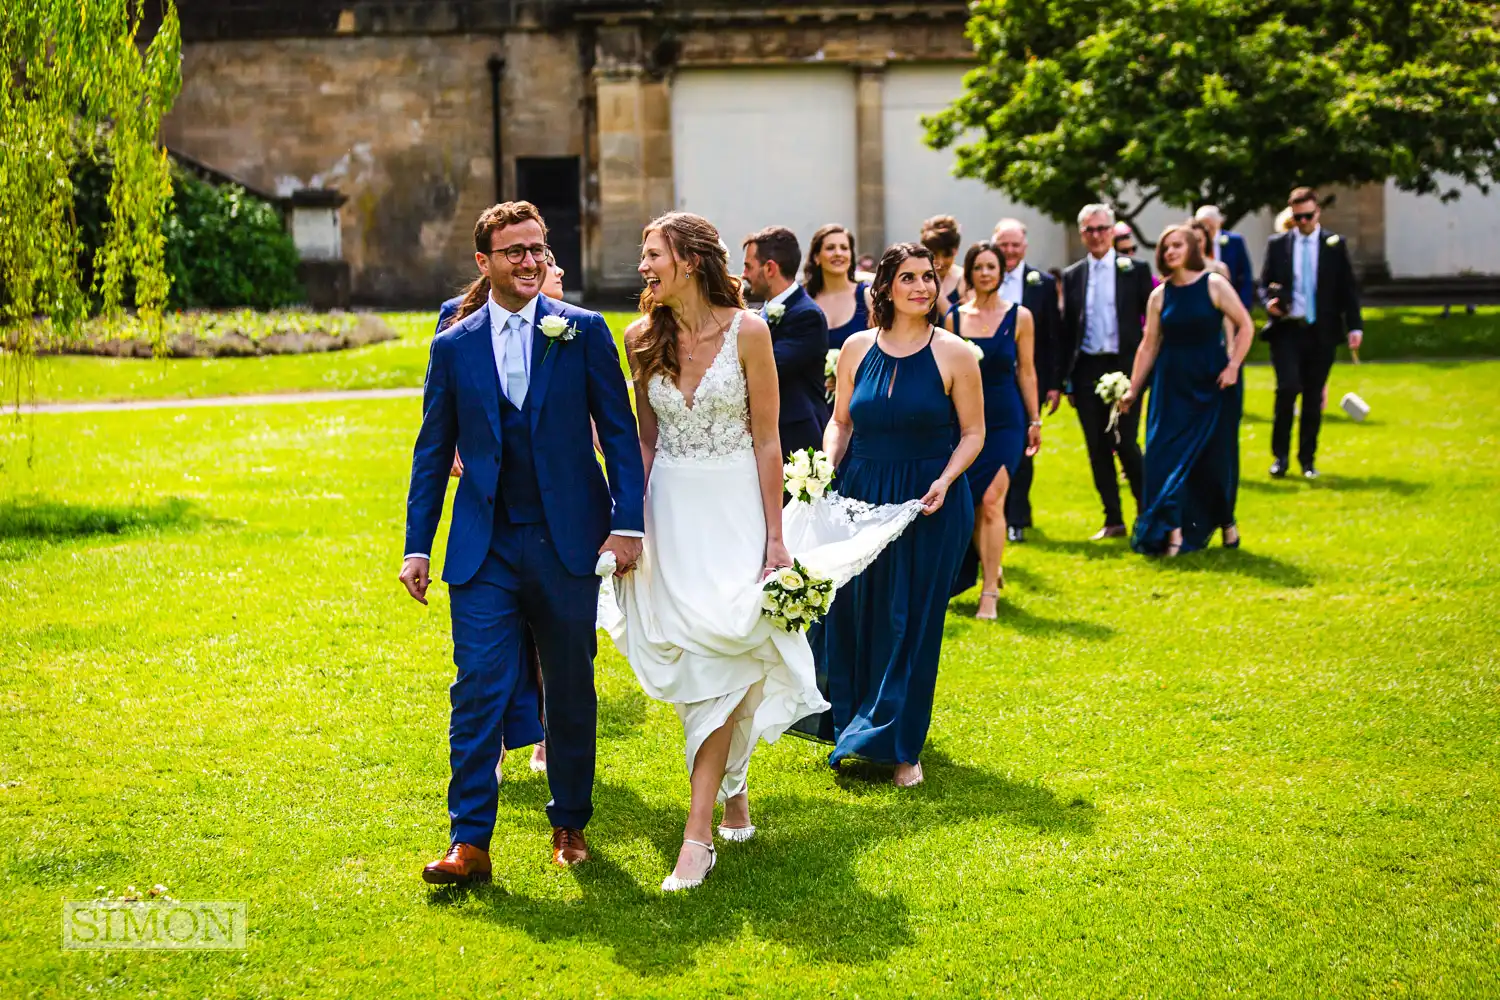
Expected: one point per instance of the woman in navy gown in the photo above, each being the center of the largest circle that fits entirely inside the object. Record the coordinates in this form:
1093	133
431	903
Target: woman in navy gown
1012	425
1191	425
830	278
908	419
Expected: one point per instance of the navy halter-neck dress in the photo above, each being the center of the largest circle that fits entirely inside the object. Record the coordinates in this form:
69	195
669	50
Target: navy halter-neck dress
884	633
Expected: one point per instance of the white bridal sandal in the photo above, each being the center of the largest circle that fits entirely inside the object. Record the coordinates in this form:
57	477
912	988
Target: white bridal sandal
737	834
674	884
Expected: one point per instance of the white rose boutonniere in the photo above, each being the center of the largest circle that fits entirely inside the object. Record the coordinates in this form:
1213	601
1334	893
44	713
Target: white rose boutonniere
775	311
1033	278
1125	264
1223	240
556	329
1333	240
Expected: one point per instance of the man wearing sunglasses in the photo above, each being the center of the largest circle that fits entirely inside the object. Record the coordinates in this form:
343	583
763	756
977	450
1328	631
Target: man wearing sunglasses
1310	291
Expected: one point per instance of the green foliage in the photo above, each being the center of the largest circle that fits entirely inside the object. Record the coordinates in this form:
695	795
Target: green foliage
227	248
77	81
1223	101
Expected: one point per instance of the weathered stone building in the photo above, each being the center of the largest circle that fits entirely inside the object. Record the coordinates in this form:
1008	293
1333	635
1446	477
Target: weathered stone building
607	112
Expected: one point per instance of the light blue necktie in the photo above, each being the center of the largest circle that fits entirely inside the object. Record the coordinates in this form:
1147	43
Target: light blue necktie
515	362
1309	282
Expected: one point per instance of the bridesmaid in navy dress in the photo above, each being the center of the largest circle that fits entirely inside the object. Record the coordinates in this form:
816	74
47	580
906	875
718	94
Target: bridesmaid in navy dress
908	420
830	278
1191	425
1012	425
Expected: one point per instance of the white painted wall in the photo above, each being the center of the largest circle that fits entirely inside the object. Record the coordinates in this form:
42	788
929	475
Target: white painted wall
919	181
1425	238
759	147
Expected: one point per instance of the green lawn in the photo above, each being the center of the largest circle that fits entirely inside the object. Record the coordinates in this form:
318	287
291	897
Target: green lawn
1265	773
1390	333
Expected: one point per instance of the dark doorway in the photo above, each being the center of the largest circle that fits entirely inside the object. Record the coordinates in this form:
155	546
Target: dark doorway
553	184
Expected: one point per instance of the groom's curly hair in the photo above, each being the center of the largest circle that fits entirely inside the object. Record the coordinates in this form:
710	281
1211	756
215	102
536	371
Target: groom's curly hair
695	245
494	218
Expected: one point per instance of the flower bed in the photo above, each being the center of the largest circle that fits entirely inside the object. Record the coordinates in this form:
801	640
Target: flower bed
238	333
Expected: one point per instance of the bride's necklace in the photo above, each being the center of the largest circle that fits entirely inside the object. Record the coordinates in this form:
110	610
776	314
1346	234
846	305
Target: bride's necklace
700	341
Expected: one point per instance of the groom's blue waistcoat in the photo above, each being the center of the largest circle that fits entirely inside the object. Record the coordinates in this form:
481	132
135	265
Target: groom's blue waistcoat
520	500
541	456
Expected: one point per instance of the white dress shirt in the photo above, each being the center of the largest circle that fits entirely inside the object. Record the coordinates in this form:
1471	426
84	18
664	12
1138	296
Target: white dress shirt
786	293
1013	285
1101	325
499	332
1299	294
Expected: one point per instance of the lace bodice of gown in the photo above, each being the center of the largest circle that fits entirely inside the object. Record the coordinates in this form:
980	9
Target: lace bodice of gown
717	423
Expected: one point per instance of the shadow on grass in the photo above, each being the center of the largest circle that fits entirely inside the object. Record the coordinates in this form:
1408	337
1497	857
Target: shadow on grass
796	883
50	521
1241	562
1374	484
1105	548
1012	616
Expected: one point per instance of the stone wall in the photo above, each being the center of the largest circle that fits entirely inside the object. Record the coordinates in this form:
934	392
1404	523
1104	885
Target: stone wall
400	124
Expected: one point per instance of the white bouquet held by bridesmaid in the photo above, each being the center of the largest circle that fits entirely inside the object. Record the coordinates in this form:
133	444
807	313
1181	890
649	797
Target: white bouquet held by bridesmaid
807	474
794	597
1112	388
831	368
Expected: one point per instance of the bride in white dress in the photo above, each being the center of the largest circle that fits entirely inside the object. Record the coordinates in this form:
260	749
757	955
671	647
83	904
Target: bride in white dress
688	617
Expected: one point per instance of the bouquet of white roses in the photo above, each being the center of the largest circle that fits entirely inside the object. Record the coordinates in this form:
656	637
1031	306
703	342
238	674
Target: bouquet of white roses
807	474
1112	388
793	597
975	350
831	368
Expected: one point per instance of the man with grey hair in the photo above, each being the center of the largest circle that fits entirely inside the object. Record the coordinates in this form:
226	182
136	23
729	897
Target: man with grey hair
1230	249
1104	304
1037	291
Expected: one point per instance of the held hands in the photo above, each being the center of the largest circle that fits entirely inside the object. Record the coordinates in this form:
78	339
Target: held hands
1054	399
1033	439
776	557
414	576
627	550
932	501
1229	376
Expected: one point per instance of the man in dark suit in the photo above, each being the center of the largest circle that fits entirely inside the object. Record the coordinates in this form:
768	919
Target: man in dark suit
1314	304
1231	250
1104	302
1037	291
799	335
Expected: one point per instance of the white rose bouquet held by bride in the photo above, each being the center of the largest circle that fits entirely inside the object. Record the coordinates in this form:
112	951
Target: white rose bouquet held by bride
794	597
807	474
1112	388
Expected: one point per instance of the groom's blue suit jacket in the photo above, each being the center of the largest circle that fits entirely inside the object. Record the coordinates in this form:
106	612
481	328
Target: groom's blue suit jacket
571	382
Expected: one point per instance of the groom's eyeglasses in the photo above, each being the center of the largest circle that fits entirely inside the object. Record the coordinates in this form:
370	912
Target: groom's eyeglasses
1305	216
539	252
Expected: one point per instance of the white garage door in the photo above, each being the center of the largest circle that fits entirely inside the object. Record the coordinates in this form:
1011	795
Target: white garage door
754	148
919	181
1425	238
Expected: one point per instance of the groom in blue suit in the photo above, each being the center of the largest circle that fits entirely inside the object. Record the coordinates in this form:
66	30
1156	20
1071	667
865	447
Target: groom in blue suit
512	387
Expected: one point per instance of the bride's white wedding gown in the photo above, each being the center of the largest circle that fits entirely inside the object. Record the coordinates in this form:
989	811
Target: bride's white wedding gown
688	617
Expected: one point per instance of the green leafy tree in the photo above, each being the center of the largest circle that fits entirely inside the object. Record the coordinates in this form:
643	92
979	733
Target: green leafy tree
77	82
1187	102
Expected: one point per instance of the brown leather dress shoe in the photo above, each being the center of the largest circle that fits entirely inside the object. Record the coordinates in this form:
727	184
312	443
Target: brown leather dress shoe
1108	531
464	863
568	846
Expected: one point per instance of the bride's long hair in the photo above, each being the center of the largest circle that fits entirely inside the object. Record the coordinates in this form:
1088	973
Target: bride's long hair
696	244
